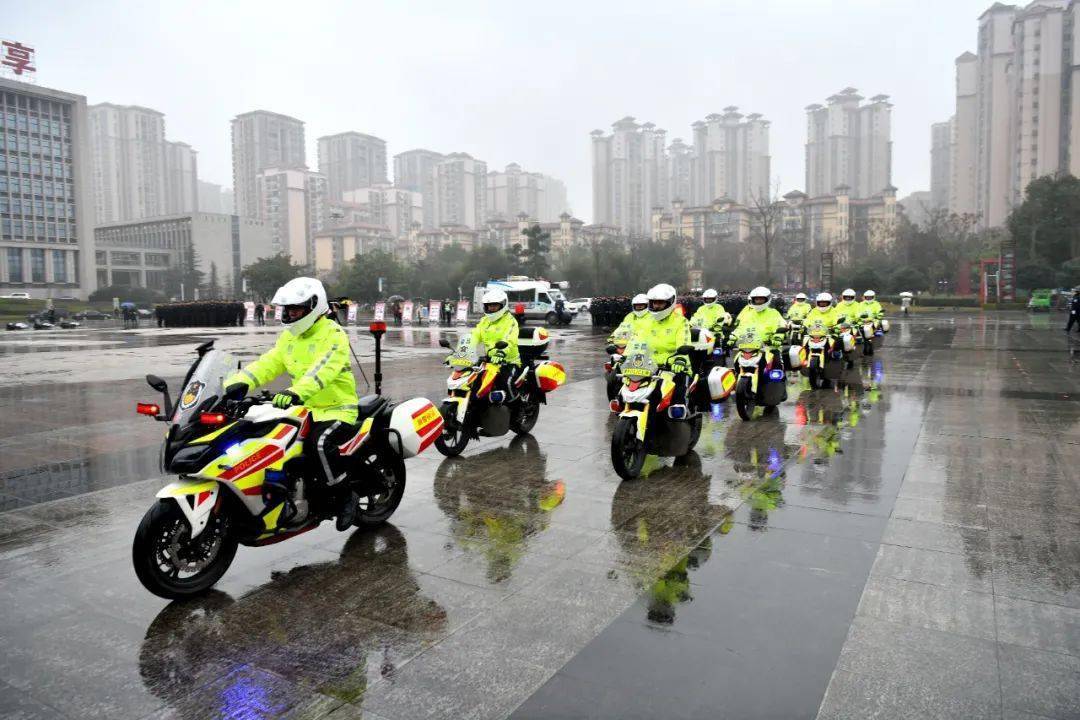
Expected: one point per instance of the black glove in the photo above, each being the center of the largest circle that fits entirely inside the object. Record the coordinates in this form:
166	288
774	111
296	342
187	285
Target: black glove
236	391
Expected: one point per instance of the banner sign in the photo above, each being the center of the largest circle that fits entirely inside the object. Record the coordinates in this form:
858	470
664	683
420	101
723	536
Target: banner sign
380	312
407	312
1007	271
826	271
463	312
249	311
350	315
434	310
277	312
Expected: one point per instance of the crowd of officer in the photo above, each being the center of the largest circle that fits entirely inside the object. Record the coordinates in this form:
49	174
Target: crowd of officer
610	311
201	313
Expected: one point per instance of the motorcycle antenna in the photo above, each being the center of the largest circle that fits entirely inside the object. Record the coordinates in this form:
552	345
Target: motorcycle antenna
362	373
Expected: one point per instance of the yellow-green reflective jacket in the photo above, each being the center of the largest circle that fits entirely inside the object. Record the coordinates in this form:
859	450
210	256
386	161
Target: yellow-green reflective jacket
505	327
665	336
798	311
630	326
710	315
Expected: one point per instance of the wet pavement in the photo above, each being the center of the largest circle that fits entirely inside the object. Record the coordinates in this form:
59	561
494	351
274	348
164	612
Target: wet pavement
907	545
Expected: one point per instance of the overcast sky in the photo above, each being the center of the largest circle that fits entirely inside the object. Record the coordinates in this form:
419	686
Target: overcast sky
505	81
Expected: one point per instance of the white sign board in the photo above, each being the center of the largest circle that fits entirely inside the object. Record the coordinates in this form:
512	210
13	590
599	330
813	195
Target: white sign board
463	312
434	310
350	315
249	311
277	312
380	312
407	312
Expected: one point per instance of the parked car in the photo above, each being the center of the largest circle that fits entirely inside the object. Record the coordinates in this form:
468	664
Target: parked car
91	315
16	296
581	304
1041	300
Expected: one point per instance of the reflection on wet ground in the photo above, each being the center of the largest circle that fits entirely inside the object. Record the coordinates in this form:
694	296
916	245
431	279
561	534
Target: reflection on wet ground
905	544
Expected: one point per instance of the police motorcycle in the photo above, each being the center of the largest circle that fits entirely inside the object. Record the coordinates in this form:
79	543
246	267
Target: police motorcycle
760	377
822	355
474	409
648	423
244	478
720	341
615	350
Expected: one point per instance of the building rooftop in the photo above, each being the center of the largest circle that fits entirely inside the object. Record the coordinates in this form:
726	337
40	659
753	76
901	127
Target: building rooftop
251	113
139	108
351	133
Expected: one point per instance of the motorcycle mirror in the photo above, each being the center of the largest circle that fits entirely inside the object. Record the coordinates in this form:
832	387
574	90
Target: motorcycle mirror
157	383
611	349
443	342
500	345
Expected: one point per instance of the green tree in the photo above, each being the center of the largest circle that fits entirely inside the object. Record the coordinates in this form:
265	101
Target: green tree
185	277
359	279
213	285
908	279
1035	275
1046	225
534	254
266	275
1068	275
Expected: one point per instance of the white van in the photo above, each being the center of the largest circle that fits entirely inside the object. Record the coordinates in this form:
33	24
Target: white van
538	296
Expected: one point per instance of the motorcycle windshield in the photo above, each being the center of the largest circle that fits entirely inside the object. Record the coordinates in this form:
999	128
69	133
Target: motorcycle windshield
206	383
639	361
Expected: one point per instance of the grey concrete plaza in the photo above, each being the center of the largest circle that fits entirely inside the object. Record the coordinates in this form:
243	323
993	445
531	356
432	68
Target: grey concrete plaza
905	545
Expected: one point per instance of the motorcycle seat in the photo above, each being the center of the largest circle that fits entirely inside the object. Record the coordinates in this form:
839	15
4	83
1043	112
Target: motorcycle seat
369	405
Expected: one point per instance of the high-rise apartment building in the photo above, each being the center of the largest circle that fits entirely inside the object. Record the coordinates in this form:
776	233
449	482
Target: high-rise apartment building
181	178
214	198
388	206
293	203
460	191
630	176
1017	108
415	170
262	140
965	137
941	151
849	144
731	154
46	212
681	171
515	191
128	160
352	160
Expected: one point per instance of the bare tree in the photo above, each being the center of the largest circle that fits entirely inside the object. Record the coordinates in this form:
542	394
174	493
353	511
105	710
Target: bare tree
765	221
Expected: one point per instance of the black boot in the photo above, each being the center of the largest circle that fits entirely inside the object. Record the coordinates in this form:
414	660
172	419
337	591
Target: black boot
346	514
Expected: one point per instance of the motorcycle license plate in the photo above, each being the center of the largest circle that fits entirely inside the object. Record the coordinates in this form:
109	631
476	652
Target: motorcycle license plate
817	344
751	361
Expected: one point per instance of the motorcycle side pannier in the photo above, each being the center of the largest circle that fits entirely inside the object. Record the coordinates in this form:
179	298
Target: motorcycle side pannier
550	375
884	325
796	357
418	422
849	342
721	382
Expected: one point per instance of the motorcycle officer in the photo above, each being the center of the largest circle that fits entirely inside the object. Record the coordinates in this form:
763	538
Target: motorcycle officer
799	308
314	351
760	316
711	315
634	321
498	325
823	310
665	333
872	307
848	309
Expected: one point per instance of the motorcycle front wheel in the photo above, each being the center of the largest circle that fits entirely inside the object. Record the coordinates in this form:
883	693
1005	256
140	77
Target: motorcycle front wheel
814	373
169	563
744	399
523	417
627	452
452	442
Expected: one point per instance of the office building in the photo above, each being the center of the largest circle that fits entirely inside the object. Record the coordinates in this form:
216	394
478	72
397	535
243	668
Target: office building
336	247
350	161
128	160
942	136
414	170
630	176
848	227
387	206
262	140
151	253
181	178
515	191
731	157
460	191
849	144
46	206
294	205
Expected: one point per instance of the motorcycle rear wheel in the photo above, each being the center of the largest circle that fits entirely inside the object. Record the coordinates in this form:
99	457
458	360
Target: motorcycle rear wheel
627	452
163	537
744	399
374	510
523	417
695	431
815	375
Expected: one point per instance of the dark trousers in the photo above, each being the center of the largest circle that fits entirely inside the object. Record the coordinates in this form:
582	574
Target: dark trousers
322	448
1074	319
